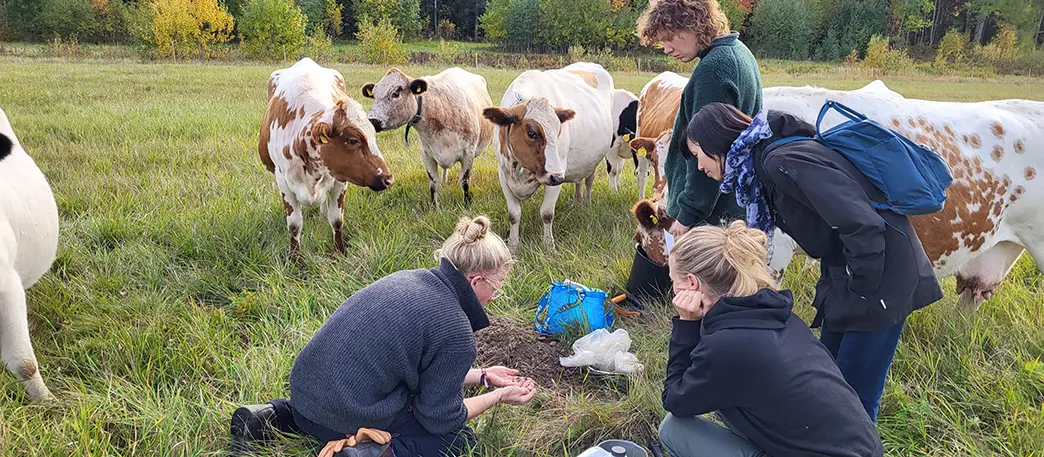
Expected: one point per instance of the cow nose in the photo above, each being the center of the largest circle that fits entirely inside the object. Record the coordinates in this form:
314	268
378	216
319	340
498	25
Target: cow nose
376	124
554	179
382	182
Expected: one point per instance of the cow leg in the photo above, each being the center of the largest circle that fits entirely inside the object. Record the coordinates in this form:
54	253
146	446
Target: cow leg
578	192
465	177
643	173
977	280
547	213
294	222
434	183
514	209
15	348
588	184
614	166
333	209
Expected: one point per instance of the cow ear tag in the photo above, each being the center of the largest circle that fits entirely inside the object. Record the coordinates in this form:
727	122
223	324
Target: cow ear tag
655	220
627	137
642	152
323	139
417	89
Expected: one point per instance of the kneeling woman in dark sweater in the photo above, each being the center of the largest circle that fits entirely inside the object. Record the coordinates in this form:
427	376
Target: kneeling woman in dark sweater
395	356
738	350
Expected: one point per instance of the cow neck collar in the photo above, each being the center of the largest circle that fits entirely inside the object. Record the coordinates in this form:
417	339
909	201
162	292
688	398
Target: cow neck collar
415	120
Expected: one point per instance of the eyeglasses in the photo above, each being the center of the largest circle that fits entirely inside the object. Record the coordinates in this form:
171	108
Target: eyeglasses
497	286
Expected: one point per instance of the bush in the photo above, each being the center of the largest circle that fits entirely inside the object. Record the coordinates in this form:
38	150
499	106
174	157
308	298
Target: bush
875	52
898	62
782	29
447	30
523	23
185	27
319	46
404	15
492	21
734	12
951	48
44	20
381	44
850	26
272	29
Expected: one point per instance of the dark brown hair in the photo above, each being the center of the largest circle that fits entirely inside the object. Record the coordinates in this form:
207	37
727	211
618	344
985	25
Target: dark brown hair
665	18
715	127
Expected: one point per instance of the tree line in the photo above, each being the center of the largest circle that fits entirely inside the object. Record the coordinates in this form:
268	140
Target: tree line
787	29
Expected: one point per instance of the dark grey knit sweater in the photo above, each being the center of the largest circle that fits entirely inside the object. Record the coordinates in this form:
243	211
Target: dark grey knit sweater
409	333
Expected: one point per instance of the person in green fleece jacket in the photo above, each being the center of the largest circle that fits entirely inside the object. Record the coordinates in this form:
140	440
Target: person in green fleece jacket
726	73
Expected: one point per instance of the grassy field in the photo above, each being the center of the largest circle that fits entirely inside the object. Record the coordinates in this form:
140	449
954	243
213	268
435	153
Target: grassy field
170	302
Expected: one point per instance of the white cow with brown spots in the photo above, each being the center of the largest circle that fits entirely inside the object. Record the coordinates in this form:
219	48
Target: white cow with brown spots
28	244
315	139
994	150
540	144
446	109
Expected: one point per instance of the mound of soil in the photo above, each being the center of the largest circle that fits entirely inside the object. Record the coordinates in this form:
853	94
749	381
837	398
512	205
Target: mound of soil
506	343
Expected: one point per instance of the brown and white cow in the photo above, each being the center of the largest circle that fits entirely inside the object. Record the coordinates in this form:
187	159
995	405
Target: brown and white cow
446	109
315	138
995	150
658	106
540	144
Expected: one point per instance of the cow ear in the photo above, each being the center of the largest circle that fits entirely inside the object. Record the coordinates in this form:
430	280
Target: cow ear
499	116
564	114
6	146
367	90
418	86
642	146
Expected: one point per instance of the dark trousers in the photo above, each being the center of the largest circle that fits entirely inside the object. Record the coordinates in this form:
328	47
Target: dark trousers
409	438
864	359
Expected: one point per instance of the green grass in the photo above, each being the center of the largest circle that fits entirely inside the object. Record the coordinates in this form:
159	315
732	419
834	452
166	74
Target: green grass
170	302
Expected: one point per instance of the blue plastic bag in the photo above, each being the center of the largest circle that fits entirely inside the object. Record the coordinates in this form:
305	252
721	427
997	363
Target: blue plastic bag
568	304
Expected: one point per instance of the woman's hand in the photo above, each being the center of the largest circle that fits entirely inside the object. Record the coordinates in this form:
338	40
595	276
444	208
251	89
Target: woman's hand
678	229
517	395
499	376
690	304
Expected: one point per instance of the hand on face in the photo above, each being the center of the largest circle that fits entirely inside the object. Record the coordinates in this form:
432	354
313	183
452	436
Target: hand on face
690	304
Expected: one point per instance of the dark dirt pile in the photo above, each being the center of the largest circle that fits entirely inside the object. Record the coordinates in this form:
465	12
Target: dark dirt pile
509	344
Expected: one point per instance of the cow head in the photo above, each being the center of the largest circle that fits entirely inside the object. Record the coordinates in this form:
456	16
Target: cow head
529	137
346	145
655	150
394	99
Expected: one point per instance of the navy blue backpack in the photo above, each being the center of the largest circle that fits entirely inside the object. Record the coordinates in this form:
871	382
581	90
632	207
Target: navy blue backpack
912	177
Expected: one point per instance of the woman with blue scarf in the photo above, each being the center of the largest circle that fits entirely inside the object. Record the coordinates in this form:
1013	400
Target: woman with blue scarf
874	272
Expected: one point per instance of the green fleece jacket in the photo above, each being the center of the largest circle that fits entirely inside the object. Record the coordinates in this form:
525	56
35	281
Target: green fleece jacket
726	73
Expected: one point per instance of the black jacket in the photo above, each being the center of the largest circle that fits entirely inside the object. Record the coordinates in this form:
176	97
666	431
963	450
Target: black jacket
874	271
757	364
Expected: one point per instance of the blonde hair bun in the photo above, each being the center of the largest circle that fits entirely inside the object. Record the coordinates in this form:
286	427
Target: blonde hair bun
471	230
473	248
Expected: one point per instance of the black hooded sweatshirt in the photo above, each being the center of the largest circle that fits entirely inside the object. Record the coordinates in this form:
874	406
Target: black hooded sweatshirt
759	366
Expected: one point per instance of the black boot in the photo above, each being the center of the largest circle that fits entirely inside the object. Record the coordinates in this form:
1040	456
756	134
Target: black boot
250	424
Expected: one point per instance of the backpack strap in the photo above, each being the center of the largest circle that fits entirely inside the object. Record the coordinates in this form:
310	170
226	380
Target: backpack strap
785	140
845	111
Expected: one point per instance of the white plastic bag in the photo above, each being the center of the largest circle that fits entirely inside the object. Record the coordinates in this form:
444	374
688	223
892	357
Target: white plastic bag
605	351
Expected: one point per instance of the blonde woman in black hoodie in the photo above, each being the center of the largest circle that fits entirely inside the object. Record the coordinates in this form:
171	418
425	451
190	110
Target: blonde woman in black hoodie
737	349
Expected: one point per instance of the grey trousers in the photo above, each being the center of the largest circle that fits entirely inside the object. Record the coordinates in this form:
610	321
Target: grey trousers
700	437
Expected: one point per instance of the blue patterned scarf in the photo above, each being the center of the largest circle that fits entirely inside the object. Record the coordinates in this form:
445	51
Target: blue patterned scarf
739	176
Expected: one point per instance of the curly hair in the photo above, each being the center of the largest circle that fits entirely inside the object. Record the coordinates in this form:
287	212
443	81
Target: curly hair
665	18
